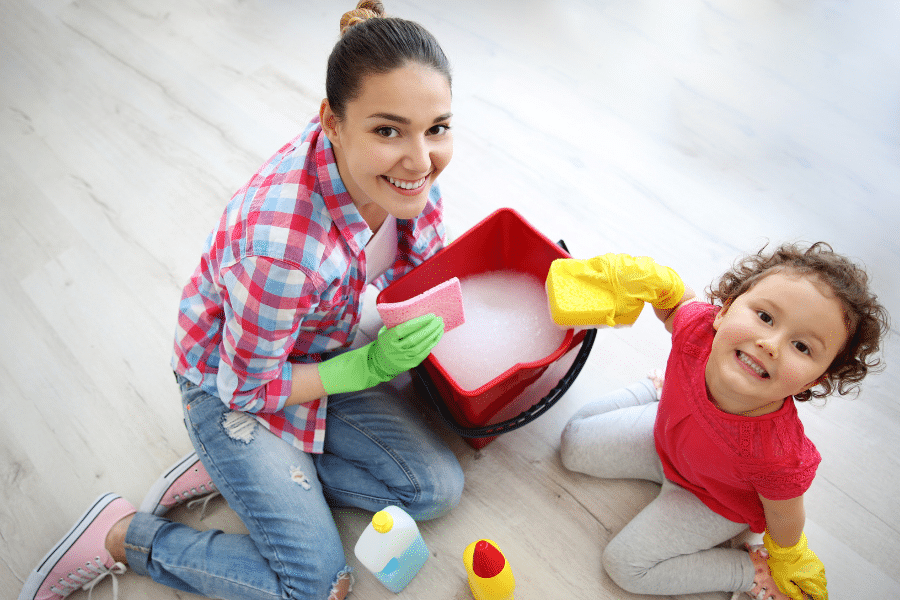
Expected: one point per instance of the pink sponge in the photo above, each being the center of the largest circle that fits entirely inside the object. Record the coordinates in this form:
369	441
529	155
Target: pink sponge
444	300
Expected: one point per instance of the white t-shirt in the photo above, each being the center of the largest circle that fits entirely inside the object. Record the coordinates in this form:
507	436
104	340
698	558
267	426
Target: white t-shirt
381	251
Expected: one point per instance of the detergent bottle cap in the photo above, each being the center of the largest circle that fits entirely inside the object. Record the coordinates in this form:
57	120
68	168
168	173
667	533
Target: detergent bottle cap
382	521
487	561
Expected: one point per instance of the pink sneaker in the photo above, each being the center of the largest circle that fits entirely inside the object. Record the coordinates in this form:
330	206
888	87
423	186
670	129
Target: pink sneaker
186	480
80	560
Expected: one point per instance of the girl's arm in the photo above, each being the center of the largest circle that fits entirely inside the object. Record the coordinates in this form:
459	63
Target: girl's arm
668	315
796	569
784	520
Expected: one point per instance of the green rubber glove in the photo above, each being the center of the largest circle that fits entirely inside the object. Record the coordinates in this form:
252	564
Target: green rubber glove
610	289
396	350
796	570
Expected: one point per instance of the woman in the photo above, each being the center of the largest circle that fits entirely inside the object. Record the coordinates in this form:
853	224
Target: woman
285	424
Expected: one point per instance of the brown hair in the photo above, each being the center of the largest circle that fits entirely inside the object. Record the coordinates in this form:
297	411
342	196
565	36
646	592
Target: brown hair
372	43
866	319
365	10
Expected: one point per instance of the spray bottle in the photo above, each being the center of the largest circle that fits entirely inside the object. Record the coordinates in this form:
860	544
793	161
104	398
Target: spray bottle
392	548
490	576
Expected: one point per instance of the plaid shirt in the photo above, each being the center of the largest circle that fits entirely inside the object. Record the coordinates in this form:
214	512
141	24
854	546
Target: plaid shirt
280	281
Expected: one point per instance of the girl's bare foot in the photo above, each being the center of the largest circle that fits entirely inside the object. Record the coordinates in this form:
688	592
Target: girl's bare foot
657	377
764	587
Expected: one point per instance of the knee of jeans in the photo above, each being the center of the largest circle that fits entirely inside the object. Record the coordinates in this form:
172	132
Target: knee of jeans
441	494
324	575
622	567
452	483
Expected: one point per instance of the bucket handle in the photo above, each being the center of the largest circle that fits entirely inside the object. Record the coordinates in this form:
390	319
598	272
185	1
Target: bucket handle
526	416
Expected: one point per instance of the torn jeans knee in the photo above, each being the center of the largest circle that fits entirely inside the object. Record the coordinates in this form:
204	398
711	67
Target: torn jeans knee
343	585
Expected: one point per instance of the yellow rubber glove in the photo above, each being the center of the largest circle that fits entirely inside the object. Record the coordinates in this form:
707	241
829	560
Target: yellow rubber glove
609	289
796	570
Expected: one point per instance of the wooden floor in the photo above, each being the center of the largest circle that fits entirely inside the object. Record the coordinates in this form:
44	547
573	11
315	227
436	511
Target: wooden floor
689	131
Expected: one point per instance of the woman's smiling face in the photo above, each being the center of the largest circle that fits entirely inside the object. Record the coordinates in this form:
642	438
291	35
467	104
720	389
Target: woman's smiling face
393	141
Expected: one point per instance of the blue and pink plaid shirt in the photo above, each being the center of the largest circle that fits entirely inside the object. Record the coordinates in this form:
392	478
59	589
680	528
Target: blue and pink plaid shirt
280	281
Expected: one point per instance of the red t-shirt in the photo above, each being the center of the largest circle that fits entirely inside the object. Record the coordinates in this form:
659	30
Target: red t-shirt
725	459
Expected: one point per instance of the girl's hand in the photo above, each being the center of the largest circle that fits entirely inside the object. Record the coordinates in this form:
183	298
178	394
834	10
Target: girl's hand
796	570
610	289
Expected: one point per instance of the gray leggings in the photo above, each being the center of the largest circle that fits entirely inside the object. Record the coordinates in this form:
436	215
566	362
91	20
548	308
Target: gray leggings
670	546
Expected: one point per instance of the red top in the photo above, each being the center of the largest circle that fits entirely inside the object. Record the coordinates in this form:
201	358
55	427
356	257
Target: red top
725	459
487	561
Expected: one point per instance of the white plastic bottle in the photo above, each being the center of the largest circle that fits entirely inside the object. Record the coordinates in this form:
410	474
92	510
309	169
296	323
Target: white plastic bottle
392	548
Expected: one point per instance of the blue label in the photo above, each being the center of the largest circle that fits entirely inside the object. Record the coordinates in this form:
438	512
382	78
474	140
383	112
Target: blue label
392	566
401	569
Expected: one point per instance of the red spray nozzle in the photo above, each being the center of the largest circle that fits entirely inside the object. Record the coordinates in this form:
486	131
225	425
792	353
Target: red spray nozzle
487	560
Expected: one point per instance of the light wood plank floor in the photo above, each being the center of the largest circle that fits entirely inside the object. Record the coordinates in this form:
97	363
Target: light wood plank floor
689	131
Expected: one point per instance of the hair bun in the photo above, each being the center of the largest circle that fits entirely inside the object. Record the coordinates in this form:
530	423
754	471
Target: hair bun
365	10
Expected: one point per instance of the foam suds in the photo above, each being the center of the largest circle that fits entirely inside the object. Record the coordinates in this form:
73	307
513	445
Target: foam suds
507	322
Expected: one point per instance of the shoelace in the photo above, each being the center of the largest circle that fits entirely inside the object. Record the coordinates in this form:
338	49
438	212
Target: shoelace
203	500
85	578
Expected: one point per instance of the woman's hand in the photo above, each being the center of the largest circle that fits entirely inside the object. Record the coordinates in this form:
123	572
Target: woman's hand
406	345
396	350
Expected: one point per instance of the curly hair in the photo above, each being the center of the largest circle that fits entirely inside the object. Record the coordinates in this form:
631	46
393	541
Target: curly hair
866	319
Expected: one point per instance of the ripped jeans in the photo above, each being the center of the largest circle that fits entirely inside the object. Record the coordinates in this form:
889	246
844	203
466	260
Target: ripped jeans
377	452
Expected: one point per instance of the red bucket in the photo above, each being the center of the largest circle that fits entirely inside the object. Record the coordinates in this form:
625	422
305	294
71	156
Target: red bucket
502	241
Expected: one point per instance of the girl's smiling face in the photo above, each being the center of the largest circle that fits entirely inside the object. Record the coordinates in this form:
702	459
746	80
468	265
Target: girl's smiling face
773	341
393	141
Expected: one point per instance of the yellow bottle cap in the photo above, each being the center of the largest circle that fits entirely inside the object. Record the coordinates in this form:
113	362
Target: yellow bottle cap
382	521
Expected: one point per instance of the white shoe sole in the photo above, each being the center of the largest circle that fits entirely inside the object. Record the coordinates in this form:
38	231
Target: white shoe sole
151	503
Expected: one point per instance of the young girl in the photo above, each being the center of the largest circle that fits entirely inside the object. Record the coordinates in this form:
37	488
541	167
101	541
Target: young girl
724	439
285	426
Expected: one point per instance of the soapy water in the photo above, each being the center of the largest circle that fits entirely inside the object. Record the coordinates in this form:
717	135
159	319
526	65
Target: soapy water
507	322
